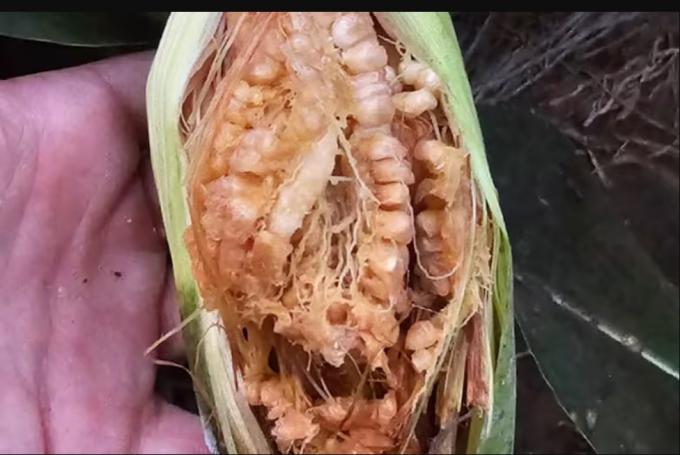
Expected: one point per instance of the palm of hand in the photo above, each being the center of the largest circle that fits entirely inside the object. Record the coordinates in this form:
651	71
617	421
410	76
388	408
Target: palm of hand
83	268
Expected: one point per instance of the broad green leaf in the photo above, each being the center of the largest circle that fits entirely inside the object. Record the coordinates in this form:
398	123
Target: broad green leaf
89	29
598	314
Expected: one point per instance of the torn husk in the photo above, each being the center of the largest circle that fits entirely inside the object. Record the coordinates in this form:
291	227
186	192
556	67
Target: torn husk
329	208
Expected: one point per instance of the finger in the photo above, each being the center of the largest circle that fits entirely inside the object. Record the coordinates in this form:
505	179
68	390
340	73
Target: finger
126	76
172	430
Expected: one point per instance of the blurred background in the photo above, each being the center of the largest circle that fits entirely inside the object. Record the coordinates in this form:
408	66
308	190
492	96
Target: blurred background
580	118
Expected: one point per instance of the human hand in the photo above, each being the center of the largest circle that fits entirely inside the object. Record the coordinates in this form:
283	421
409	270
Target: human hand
84	273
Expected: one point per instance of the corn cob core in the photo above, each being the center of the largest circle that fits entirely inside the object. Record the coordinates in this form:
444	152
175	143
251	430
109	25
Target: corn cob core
330	205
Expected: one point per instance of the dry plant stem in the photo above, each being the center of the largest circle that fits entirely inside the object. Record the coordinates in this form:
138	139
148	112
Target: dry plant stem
606	79
333	220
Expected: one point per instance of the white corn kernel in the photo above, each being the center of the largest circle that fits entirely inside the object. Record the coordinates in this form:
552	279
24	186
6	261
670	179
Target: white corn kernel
365	56
412	104
351	28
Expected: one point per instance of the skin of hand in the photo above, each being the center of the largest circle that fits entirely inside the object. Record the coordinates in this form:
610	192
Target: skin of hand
85	283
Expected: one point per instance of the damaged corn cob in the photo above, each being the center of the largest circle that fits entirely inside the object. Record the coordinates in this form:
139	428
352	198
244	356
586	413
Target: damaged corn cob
336	239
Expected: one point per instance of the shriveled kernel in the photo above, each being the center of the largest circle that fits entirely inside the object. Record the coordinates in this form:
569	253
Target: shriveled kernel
362	132
332	413
428	79
302	44
294	425
419	75
442	287
219	163
374	111
433	153
380	146
389	74
227	136
365	79
271	46
253	392
422	360
371	90
412	104
233	204
431	244
375	286
409	71
365	56
325	20
242	92
230	255
386	258
264	71
373	104
387	408
261	139
428	187
394	225
437	263
351	28
268	254
385	76
237	114
392	170
392	195
307	120
253	151
422	334
430	222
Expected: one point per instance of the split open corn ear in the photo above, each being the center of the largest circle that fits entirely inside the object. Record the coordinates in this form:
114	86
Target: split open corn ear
340	255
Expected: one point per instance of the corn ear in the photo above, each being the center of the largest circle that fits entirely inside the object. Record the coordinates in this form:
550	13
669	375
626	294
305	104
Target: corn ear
230	425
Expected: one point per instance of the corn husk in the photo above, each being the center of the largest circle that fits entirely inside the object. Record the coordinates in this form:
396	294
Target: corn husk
230	425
